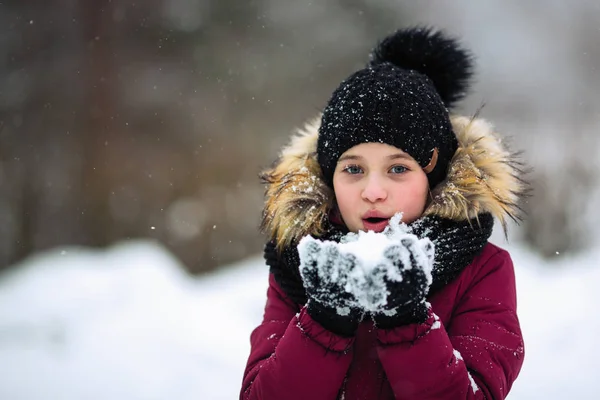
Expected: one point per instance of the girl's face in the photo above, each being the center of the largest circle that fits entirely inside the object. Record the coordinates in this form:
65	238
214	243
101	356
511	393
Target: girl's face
374	181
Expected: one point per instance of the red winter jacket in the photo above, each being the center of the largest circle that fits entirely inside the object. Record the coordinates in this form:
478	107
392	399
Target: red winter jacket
470	347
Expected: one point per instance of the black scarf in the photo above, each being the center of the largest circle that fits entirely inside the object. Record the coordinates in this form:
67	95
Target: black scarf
457	243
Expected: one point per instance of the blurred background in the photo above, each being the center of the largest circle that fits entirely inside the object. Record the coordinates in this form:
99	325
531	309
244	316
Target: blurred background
152	119
147	122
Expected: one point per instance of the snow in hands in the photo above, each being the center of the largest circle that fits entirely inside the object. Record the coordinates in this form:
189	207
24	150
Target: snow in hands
355	272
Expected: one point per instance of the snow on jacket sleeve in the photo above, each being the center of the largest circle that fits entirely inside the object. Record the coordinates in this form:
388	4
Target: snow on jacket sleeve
292	356
477	357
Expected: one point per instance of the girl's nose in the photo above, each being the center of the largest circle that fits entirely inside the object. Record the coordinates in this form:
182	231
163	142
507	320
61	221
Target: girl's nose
374	190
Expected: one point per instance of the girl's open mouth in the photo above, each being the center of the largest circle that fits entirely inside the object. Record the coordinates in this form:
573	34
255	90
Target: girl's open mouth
375	224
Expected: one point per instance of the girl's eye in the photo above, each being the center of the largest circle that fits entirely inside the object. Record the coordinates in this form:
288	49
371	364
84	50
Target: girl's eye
398	169
353	169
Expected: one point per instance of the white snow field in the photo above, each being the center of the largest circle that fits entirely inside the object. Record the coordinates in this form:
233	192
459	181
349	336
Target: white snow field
128	323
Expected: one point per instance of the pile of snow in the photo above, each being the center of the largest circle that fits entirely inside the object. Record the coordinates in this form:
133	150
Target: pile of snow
558	301
363	263
127	323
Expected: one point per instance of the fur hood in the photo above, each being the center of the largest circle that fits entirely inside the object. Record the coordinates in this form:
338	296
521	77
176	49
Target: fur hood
483	176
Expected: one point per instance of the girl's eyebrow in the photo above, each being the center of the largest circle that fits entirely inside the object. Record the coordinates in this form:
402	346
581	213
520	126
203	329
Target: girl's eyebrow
399	155
349	157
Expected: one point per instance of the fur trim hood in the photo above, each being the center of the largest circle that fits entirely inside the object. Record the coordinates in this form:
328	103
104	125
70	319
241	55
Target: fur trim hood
483	177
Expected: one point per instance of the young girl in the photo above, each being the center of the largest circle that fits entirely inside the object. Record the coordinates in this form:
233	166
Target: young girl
385	144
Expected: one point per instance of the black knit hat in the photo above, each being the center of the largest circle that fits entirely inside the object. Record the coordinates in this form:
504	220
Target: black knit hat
401	98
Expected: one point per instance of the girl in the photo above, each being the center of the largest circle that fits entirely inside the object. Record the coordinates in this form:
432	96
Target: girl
384	144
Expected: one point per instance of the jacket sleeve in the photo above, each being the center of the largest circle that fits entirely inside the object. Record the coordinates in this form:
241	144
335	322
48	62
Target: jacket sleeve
292	356
477	357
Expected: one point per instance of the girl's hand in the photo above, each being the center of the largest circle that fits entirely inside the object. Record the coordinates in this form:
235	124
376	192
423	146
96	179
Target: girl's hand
407	284
324	271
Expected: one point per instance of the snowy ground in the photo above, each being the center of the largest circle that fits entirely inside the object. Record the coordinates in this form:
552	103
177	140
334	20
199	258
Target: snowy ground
128	324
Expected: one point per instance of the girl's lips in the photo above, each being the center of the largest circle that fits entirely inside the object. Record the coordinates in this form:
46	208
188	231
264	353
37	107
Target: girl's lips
375	226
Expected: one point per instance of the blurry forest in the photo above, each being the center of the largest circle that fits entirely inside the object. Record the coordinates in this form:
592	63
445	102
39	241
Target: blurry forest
151	119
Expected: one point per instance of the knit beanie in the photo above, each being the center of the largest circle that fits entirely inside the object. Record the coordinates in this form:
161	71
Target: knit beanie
400	98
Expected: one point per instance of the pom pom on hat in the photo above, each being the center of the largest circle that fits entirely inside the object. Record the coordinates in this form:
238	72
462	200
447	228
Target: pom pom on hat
431	53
